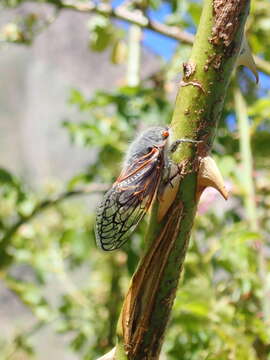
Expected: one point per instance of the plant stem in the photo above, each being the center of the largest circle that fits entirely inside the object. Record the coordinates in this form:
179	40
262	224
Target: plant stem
122	13
134	47
246	159
199	104
249	193
11	231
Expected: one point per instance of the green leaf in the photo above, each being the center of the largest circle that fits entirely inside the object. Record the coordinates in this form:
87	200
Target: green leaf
100	33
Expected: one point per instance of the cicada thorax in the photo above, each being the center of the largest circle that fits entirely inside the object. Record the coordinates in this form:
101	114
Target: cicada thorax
130	197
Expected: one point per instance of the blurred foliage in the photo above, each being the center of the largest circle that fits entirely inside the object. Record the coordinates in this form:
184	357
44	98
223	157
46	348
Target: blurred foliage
220	308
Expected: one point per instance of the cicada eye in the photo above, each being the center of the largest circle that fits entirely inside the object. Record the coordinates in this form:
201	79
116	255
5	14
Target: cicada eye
165	134
149	149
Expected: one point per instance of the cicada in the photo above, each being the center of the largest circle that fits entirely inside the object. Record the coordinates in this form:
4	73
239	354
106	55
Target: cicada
132	194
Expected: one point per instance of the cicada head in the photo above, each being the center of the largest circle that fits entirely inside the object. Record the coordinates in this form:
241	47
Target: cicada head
154	137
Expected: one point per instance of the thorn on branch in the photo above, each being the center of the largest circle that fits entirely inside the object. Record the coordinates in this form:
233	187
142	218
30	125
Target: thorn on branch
109	356
210	175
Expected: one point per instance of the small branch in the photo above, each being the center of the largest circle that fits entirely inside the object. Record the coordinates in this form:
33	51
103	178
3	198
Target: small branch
137	18
134	17
93	188
21	34
246	159
27	333
134	52
249	195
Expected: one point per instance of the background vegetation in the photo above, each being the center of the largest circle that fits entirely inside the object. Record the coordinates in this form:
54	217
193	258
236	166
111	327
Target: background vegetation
222	309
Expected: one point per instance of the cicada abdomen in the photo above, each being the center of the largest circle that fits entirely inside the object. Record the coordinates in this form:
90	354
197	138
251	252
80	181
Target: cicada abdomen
130	197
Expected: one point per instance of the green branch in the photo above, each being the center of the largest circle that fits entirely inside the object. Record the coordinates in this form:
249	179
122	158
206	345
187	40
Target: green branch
43	205
246	159
199	105
249	194
137	18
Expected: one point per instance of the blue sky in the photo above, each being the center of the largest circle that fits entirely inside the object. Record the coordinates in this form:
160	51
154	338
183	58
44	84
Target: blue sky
157	43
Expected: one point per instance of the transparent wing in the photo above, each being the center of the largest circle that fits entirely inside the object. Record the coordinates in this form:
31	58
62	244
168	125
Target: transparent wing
126	203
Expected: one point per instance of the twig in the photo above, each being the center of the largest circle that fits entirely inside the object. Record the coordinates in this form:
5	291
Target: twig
27	333
249	194
135	17
93	188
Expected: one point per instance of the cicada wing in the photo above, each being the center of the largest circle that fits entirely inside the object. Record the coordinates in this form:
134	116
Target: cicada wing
126	203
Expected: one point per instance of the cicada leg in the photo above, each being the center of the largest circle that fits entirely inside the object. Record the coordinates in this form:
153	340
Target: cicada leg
168	177
171	169
177	172
177	142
